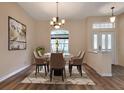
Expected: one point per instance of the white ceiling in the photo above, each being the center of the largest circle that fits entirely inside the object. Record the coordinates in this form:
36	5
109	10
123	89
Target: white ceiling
70	10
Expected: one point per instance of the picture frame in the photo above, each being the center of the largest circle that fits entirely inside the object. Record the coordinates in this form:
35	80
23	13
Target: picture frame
16	34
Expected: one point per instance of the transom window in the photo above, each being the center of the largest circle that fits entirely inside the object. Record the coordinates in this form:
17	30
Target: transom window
59	41
103	25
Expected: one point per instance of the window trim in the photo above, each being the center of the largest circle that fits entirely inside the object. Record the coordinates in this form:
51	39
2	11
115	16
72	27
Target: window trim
103	23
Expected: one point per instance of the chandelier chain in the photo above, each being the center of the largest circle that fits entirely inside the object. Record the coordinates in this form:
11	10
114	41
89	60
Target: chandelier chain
112	10
57	9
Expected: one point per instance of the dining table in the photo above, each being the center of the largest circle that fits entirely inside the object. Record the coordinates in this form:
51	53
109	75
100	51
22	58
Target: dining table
66	56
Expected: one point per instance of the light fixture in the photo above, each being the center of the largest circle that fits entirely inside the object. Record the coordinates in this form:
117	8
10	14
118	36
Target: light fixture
112	18
56	22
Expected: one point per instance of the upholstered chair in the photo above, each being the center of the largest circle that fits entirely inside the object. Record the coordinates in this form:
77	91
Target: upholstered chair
41	61
77	61
78	55
57	64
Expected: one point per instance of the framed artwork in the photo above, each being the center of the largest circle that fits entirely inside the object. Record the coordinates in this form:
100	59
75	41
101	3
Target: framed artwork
16	34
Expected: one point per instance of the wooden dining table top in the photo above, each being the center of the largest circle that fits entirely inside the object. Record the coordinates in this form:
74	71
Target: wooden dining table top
67	56
64	54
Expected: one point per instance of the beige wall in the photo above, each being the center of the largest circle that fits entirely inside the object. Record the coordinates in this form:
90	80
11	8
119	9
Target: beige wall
43	34
76	35
11	61
121	39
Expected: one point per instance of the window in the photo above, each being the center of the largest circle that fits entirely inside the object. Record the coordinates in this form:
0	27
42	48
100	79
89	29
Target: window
102	41
60	37
103	25
95	40
109	41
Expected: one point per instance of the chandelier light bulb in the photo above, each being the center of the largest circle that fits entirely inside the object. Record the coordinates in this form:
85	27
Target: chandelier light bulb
63	21
51	23
60	24
54	19
112	19
57	26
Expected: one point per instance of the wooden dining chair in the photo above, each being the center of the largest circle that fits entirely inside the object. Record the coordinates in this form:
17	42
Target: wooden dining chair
57	62
77	61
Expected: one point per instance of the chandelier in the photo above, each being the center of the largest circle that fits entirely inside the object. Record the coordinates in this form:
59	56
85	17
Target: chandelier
56	22
112	18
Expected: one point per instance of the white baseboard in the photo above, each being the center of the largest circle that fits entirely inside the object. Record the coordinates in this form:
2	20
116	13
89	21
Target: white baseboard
101	74
13	73
106	74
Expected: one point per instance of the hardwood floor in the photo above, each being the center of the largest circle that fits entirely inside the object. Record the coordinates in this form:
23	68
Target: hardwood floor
107	83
